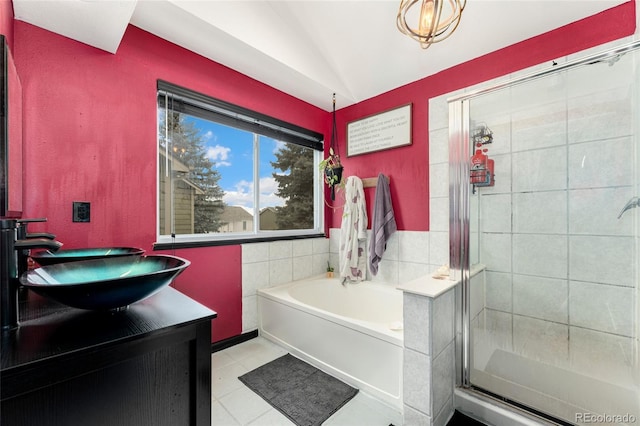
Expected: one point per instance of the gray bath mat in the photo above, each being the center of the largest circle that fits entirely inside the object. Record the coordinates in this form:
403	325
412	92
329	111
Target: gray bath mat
306	395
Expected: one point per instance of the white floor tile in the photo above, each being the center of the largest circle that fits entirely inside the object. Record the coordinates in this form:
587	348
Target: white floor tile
244	405
220	359
220	416
225	379
256	360
250	348
272	418
234	404
363	410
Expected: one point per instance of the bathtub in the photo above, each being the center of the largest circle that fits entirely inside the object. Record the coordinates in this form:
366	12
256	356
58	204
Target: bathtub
353	332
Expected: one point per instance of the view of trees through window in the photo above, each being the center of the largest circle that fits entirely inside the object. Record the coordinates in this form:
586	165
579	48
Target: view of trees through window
218	179
194	184
295	185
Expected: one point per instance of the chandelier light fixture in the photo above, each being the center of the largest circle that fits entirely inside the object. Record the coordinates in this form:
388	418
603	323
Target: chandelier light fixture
433	24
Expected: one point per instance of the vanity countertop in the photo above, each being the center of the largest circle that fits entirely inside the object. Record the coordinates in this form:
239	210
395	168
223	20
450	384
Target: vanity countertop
49	330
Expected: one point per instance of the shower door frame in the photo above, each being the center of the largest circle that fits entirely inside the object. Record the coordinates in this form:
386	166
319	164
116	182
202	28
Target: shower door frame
459	198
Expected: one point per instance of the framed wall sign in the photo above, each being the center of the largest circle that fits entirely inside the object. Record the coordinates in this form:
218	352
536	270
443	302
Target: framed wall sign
389	129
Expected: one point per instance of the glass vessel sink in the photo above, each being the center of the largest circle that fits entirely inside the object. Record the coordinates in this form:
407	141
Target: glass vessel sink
104	284
47	257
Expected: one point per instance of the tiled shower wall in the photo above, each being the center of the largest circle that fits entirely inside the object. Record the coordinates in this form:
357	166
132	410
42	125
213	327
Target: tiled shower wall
561	269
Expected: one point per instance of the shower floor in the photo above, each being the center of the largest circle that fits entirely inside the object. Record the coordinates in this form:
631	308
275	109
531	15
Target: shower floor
529	375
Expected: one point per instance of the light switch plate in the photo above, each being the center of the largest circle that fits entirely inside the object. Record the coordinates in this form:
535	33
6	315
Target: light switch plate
81	211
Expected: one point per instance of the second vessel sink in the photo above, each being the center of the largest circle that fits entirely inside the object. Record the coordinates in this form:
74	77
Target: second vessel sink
104	284
47	257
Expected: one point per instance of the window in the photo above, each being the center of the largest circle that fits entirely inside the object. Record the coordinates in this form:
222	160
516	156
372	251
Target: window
228	173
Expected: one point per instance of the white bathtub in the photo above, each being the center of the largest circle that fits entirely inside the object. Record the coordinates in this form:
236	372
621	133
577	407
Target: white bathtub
352	332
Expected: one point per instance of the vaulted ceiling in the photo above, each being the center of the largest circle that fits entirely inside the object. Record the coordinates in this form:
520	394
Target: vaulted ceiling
308	49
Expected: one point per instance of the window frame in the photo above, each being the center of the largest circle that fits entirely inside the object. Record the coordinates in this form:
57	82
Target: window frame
186	101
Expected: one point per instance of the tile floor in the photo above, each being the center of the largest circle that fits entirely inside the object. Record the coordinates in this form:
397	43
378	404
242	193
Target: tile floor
236	405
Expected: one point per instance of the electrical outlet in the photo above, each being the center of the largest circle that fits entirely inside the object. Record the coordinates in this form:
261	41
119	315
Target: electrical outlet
81	211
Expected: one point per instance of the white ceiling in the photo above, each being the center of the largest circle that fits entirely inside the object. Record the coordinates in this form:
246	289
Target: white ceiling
308	49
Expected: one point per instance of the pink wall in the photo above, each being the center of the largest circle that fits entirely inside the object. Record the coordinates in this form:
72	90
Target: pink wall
408	166
90	135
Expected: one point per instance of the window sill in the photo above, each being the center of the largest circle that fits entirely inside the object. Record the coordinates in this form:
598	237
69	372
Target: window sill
230	242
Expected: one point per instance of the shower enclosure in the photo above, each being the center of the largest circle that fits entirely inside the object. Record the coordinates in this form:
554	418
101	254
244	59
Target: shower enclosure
551	324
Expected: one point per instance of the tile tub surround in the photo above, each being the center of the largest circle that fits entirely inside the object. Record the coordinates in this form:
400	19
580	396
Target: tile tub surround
429	348
429	352
406	258
409	255
269	264
273	263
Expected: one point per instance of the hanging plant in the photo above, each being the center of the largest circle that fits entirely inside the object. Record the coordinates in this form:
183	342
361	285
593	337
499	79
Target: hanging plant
331	166
332	169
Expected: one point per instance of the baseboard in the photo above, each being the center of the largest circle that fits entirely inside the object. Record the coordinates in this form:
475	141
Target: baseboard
232	341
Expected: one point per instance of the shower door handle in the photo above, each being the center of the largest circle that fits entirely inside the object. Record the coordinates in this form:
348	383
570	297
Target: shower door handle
634	202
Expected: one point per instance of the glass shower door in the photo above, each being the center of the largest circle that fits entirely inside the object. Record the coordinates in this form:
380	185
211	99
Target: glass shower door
554	315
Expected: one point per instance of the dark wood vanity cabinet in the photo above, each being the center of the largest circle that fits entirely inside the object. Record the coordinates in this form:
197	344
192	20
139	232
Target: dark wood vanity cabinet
148	365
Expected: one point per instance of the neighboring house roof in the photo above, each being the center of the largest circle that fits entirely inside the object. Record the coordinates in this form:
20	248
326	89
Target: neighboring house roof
235	213
179	167
247	209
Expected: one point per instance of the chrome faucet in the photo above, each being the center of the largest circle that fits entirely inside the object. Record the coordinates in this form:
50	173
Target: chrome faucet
13	250
634	202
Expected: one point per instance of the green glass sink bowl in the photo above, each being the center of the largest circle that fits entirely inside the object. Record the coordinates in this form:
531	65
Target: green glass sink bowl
106	283
46	257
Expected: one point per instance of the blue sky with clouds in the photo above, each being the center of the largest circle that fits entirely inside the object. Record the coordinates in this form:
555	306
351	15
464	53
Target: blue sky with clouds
232	152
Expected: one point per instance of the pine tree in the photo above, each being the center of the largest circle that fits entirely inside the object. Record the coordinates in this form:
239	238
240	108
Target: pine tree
188	148
295	185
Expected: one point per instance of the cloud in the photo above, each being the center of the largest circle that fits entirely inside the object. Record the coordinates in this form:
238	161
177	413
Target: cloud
242	194
219	155
278	146
268	198
268	185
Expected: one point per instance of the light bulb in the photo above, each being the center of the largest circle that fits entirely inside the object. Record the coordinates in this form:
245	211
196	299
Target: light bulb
427	12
